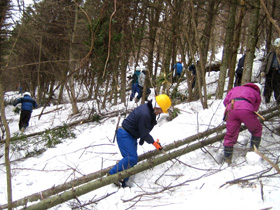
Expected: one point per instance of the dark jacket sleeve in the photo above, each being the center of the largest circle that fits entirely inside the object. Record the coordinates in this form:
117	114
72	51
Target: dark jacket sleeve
144	127
35	105
17	101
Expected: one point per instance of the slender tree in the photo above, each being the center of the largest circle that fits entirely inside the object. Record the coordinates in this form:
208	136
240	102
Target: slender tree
251	41
227	51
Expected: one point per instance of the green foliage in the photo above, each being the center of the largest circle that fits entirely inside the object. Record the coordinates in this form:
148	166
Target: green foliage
175	112
162	78
16	110
20	136
35	152
54	137
178	95
29	147
96	118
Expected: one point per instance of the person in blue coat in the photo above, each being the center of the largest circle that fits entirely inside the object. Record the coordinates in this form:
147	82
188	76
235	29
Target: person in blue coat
27	105
178	67
138	125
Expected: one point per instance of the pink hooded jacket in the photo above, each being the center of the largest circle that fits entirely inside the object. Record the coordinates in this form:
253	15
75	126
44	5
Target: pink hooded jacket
248	97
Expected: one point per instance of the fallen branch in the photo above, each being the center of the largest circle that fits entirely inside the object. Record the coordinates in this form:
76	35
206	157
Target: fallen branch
242	179
48	112
265	158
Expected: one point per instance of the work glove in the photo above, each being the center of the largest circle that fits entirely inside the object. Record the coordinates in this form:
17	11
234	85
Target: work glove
141	142
262	74
157	145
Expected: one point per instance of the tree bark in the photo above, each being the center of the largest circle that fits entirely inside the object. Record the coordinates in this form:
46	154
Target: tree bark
251	42
4	8
200	70
72	94
236	44
227	50
7	146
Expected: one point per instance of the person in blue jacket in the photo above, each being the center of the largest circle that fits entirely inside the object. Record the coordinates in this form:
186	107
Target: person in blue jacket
178	67
27	105
138	125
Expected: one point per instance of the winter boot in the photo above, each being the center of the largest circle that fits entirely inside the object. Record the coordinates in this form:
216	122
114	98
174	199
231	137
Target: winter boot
228	154
255	141
120	183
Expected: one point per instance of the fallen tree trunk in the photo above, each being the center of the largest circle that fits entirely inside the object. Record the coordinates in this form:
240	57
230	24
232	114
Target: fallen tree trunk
101	182
85	179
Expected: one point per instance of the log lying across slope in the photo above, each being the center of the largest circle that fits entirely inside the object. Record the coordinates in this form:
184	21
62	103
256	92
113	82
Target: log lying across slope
96	180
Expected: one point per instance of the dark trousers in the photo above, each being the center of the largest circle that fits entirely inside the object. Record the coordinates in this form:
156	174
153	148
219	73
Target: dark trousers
272	83
24	119
140	93
238	79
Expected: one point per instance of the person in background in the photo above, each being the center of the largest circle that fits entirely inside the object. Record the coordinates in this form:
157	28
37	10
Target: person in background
27	105
239	71
193	70
242	103
19	89
138	125
141	83
270	69
178	67
135	82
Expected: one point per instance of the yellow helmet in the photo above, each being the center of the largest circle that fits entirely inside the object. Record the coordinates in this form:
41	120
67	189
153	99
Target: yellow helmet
164	102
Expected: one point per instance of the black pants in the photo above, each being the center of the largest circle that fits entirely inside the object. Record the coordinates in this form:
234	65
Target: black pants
272	83
24	119
238	79
148	91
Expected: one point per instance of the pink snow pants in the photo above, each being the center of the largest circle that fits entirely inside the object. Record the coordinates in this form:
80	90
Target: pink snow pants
234	120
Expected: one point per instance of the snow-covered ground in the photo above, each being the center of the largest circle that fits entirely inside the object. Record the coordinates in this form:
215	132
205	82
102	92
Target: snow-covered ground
192	181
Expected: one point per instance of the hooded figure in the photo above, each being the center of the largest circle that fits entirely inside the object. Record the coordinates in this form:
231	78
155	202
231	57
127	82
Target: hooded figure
270	69
141	80
27	105
135	83
241	104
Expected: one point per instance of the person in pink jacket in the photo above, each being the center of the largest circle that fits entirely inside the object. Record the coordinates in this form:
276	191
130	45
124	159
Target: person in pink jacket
241	104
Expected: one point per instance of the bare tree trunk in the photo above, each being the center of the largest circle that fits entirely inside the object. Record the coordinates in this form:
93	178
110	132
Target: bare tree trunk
227	52
201	70
236	44
39	93
269	30
7	146
251	42
124	61
3	15
72	94
106	93
205	39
